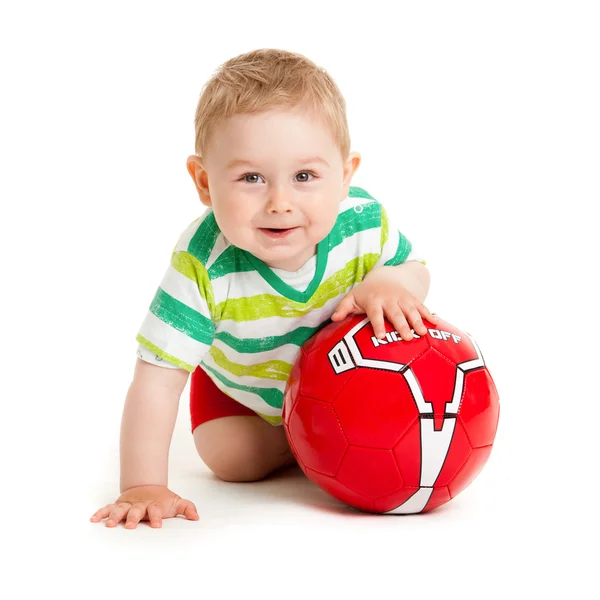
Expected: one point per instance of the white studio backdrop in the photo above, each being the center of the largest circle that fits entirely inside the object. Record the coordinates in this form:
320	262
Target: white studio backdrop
478	125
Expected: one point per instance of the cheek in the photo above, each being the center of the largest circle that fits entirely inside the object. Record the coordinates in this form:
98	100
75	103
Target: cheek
324	217
227	209
234	218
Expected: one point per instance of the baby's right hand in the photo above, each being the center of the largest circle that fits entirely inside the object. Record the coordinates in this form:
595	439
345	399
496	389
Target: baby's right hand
148	503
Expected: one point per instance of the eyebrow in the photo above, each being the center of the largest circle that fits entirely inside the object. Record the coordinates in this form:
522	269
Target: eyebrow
238	162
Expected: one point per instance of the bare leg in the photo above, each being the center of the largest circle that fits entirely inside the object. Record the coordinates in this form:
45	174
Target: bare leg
242	448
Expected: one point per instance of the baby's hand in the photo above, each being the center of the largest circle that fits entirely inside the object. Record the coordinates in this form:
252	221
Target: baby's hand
148	503
382	296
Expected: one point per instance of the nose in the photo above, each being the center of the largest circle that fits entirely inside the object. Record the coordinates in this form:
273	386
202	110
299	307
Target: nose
279	200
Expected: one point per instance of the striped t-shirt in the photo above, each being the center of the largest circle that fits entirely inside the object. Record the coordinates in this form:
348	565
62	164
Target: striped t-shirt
243	322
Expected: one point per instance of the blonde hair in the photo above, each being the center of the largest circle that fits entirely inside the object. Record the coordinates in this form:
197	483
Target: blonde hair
268	78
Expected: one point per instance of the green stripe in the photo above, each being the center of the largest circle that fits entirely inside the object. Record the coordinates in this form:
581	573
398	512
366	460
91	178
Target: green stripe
181	317
231	260
271	369
402	251
173	359
263	306
357	192
204	239
350	223
272	396
252	345
190	267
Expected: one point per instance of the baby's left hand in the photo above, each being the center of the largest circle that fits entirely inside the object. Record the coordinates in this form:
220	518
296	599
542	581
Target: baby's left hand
381	295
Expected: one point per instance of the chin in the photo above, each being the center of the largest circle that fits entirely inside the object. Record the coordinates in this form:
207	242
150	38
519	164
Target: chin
275	256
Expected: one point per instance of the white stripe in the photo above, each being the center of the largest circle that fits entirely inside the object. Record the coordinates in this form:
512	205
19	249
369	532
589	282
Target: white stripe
474	363
171	341
434	449
276	326
248	380
190	232
355	246
391	246
415	504
352	203
221	244
185	290
286	353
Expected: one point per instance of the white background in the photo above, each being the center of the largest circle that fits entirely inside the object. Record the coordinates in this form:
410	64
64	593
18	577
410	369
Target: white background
478	124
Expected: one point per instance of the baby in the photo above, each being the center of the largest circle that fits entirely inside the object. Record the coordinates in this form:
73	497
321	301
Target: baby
285	246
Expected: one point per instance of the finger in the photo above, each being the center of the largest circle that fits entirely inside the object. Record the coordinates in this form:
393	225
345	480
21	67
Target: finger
377	321
401	324
135	515
155	514
187	509
414	317
117	513
101	513
427	314
343	308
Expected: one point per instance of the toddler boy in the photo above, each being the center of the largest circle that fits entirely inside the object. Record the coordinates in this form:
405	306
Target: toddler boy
284	246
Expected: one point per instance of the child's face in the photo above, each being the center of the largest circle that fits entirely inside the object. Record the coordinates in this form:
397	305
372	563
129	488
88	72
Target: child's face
276	188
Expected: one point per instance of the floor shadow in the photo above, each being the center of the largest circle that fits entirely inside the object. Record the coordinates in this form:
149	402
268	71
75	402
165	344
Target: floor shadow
291	486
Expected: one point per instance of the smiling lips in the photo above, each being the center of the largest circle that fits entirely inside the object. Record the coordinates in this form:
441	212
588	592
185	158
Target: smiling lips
277	232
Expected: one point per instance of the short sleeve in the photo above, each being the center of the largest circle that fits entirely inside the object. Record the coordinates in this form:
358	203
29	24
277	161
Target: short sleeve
154	359
396	248
178	328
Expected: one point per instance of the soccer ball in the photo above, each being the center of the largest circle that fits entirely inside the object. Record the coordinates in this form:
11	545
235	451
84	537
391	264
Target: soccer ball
390	426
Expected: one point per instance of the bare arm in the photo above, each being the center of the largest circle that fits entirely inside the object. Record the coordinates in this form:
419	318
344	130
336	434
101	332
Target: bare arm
147	425
413	275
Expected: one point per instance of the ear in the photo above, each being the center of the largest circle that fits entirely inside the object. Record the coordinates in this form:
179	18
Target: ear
195	167
350	167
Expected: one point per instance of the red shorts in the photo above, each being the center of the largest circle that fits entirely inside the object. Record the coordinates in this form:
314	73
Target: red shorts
208	402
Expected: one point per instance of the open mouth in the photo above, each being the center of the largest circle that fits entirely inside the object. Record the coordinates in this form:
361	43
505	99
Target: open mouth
277	232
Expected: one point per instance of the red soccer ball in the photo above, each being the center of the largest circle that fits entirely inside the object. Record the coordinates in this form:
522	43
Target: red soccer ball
390	426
